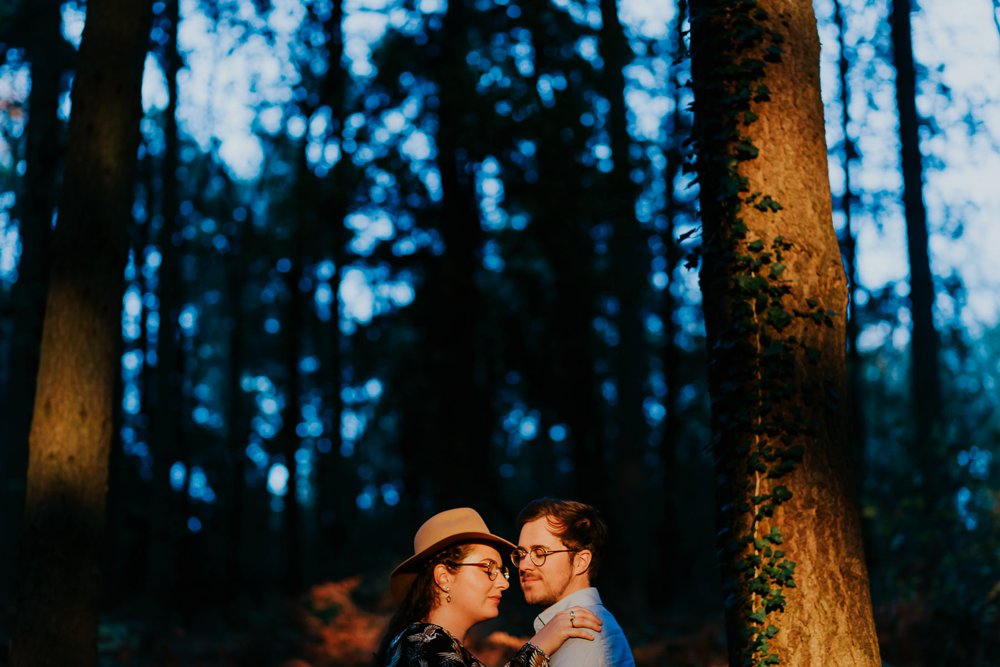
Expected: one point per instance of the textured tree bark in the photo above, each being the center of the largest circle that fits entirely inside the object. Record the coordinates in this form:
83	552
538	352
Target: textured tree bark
71	428
775	318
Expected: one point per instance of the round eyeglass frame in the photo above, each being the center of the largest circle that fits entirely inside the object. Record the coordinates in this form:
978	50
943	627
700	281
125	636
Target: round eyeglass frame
537	554
490	568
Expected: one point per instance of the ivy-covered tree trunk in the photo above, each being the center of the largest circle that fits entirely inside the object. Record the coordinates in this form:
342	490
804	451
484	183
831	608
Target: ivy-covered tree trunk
71	428
775	301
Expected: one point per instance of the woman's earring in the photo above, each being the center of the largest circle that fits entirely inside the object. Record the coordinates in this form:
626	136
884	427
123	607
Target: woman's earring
448	594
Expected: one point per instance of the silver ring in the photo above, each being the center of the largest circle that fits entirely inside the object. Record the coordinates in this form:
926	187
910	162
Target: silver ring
572	618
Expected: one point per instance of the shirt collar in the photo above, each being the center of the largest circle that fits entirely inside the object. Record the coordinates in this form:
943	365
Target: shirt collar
586	597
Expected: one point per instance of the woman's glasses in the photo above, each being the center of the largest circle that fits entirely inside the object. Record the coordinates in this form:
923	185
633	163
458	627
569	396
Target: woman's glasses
490	567
537	555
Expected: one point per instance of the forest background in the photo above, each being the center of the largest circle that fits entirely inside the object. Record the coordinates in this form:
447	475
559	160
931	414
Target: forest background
317	350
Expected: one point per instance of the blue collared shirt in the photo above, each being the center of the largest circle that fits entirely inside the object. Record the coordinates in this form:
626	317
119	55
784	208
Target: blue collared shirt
610	647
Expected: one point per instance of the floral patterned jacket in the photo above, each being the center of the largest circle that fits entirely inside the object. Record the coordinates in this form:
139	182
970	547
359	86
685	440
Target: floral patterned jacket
429	645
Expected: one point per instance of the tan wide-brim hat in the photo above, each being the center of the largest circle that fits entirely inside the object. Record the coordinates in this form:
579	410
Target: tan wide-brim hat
439	532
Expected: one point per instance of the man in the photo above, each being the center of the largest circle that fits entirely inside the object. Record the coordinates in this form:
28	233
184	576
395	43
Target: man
558	557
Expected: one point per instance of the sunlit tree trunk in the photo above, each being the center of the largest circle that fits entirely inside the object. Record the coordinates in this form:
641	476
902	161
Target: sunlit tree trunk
775	302
56	619
925	379
36	204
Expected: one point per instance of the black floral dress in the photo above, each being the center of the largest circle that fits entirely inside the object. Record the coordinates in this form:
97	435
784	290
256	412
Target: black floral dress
429	645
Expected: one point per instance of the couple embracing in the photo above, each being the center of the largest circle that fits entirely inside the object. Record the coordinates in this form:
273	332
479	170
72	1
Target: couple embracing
457	575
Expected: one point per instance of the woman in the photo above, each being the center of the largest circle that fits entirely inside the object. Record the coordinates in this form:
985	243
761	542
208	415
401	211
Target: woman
454	580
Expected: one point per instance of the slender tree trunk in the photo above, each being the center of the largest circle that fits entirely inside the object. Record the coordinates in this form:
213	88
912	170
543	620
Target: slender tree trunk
464	424
671	357
36	206
775	303
849	246
166	376
925	380
238	421
292	415
335	502
71	429
630	266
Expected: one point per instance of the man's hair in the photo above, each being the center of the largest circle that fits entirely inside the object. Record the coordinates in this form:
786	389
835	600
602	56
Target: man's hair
577	524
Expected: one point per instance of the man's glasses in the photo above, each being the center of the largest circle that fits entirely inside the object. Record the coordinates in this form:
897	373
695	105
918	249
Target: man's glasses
537	555
490	567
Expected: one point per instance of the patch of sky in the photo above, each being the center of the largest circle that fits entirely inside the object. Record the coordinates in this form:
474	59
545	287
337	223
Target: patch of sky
73	16
492	258
390	494
653	410
131	313
178	476
418	146
370	228
10	251
256	453
131	399
199	487
977	461
366	499
609	390
277	479
352	425
188	319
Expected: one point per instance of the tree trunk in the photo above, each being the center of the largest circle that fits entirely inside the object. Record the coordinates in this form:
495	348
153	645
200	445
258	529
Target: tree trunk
775	302
849	247
166	377
629	266
35	206
464	423
71	428
925	382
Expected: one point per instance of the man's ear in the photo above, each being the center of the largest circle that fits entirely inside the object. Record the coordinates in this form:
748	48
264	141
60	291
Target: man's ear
581	564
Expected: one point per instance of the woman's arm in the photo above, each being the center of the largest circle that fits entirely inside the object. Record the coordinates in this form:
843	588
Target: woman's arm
574	622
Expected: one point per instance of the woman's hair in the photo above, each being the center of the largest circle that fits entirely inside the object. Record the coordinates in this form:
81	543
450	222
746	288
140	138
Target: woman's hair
420	598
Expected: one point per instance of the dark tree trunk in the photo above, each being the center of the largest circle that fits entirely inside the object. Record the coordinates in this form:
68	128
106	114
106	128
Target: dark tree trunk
166	377
925	380
775	302
667	583
288	438
71	429
36	204
335	500
463	423
629	268
849	246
